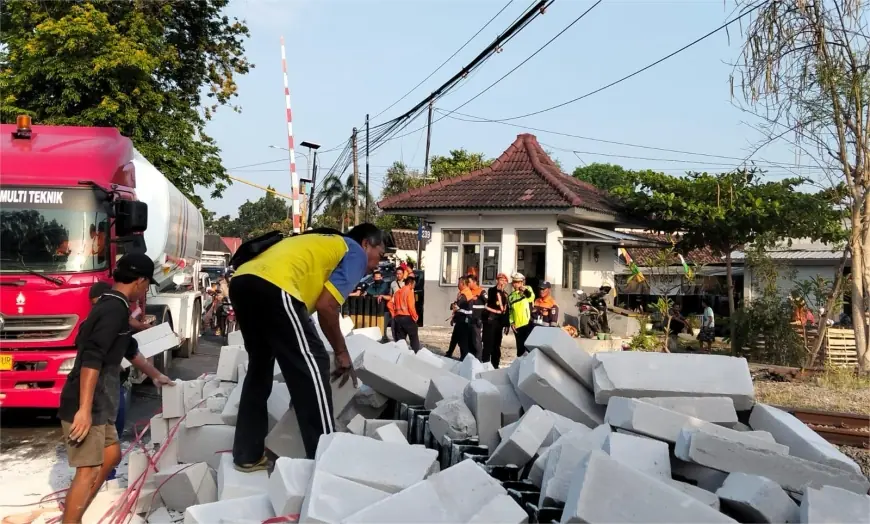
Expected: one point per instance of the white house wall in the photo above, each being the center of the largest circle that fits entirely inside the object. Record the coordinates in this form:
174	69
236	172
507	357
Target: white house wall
788	274
438	297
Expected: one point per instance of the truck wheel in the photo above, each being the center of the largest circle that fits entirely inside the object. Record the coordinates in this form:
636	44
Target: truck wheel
188	348
163	316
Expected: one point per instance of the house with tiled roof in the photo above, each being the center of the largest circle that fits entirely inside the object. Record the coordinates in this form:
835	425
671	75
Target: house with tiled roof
521	214
405	241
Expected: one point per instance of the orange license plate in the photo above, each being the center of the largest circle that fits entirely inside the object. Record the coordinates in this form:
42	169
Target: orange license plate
5	362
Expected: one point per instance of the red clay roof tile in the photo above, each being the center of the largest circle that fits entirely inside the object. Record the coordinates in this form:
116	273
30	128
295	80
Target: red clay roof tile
523	177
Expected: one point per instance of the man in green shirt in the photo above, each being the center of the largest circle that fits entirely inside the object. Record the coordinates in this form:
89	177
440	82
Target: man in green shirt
520	303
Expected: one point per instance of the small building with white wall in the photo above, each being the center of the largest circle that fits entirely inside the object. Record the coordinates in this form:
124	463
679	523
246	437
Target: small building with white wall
521	214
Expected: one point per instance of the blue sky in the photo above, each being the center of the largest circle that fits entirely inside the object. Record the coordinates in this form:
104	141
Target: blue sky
350	57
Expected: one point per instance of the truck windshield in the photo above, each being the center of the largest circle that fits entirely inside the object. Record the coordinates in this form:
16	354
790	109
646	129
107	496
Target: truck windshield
52	230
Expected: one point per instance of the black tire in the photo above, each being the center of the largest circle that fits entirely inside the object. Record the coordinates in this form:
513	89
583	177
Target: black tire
188	348
162	316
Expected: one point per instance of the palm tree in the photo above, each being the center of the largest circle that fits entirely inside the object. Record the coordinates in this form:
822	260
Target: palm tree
336	199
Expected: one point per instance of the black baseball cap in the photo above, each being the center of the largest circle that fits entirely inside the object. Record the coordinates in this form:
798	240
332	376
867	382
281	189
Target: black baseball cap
137	264
545	285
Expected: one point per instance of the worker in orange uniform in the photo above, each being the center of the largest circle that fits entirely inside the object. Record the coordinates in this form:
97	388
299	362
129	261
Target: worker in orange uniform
478	306
404	313
545	311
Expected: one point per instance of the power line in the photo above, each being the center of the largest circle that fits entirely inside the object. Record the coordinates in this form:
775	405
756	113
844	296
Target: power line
550	41
481	120
641	70
448	59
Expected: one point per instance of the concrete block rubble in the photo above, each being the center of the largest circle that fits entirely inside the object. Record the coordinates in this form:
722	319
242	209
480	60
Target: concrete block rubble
561	435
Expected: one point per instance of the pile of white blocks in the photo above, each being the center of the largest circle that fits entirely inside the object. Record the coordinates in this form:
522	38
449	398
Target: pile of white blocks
605	437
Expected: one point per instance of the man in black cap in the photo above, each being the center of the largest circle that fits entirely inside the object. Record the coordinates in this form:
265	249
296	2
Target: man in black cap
90	397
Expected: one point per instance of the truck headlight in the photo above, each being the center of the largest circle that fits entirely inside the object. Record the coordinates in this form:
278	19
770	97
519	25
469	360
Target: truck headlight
66	366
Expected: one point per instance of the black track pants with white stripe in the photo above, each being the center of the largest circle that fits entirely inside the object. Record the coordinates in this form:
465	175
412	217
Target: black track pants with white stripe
274	326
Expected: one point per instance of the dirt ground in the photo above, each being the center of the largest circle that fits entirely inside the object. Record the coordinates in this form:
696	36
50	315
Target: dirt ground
437	339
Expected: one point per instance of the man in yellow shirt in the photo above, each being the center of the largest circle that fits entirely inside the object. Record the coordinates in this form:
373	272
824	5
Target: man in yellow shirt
273	295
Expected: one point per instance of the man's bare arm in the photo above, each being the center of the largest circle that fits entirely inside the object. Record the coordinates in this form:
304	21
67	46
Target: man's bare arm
87	385
141	363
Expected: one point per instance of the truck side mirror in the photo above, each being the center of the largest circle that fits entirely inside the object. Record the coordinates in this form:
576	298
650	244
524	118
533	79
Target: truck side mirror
131	216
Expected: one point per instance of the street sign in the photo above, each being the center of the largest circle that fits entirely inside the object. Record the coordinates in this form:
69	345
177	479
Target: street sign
424	233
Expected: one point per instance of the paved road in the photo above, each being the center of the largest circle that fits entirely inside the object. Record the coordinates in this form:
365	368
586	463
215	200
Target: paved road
33	433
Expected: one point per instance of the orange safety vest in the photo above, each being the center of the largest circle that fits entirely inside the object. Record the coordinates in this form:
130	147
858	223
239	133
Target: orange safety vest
403	303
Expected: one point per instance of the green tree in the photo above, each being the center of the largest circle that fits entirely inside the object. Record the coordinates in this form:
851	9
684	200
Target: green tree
603	176
459	162
269	213
728	210
336	200
224	226
399	179
155	69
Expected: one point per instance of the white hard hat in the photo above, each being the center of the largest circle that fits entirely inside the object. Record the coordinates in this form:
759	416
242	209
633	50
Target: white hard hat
518	277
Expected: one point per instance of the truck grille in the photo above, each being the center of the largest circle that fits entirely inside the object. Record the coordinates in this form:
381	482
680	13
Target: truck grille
37	328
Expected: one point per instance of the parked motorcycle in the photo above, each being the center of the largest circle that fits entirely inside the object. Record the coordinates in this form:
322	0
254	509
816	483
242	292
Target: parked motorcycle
588	316
598	302
227	318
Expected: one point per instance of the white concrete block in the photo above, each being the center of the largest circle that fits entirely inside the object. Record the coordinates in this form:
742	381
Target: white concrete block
278	403
511	407
498	377
561	426
792	473
563	350
642	374
452	418
746	438
185	485
664	424
436	360
204	443
359	344
554	389
594	346
285	439
447	386
456	494
102	503
169	452
357	425
234	338
643	454
705	478
242	372
470	367
202	417
138	466
148	501
210	386
801	440
506	431
352	410
390	379
330	498
484	401
228	362
622	325
159	429
522	444
830	504
173	400
563	458
160	516
288	485
253	509
234	484
368	397
372	425
422	367
230	414
391	433
192	393
697	493
346	324
386	466
598	489
502	509
514	376
757	499
373	333
716	410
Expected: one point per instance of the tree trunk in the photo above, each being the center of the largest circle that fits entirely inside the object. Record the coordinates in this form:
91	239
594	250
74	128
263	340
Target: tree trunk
859	317
836	291
729	283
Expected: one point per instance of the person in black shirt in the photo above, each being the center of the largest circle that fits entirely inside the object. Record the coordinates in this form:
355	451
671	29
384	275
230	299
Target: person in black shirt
495	321
90	397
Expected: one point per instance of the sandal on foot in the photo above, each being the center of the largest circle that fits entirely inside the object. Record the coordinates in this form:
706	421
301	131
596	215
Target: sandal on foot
260	465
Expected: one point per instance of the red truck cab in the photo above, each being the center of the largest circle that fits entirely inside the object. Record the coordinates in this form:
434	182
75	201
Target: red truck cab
60	189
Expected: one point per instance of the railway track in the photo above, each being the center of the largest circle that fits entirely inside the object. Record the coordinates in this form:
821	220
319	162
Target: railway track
841	429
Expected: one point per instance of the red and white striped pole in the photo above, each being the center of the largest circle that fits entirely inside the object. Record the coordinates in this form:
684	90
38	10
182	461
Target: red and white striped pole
294	177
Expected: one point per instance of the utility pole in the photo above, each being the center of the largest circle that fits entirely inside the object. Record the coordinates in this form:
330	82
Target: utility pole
368	189
355	182
425	175
311	192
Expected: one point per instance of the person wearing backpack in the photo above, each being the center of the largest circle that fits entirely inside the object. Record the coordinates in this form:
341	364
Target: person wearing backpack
278	284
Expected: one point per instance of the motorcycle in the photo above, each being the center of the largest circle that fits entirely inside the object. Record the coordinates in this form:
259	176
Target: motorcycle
227	319
588	316
598	302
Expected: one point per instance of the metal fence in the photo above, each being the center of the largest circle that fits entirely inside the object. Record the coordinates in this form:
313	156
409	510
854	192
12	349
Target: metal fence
366	311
